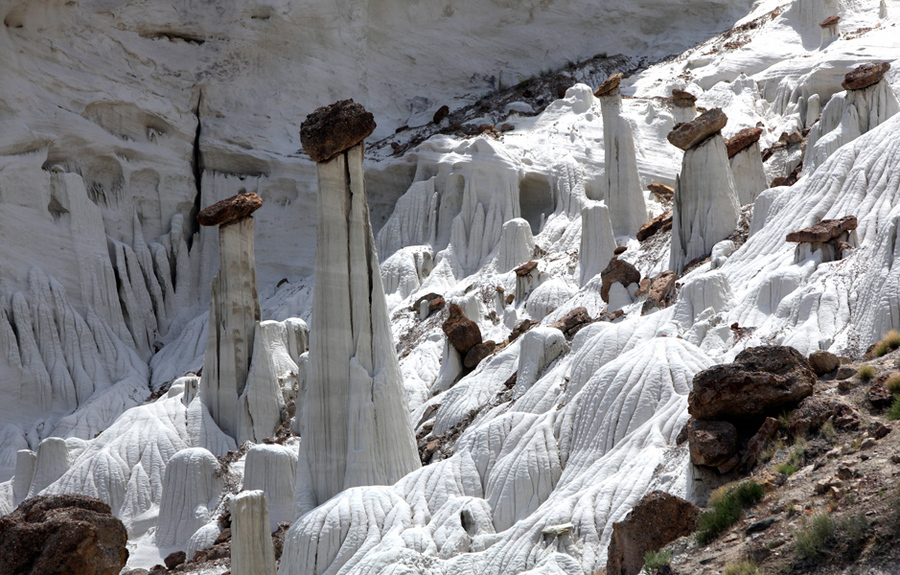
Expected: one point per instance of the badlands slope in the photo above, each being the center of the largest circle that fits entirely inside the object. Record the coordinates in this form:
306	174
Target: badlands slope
121	119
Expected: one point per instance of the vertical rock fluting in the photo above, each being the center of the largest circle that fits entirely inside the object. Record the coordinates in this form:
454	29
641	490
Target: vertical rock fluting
705	206
355	420
252	552
233	310
746	162
627	209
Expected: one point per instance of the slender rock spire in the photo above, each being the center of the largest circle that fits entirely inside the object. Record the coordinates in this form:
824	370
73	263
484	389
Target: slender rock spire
252	552
233	310
355	421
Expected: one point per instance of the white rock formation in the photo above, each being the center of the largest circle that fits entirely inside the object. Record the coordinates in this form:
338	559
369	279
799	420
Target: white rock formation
598	241
191	489
252	552
233	315
624	196
355	421
516	245
749	174
25	465
705	207
273	469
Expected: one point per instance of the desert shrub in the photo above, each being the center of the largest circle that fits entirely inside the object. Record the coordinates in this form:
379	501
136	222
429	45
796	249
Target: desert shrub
890	342
742	568
866	373
893	384
794	459
727	507
853	531
827	430
812	539
893	412
653	560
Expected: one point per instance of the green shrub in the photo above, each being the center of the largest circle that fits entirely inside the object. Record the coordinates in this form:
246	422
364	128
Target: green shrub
727	508
786	468
866	373
853	531
827	430
890	342
653	560
893	412
893	384
742	568
811	541
794	459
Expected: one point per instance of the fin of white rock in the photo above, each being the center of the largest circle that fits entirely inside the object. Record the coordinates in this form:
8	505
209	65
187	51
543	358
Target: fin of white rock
516	245
627	209
272	469
252	552
190	492
749	174
356	428
51	463
26	461
598	242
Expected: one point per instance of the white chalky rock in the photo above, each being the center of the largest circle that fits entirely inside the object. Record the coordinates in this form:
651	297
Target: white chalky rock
627	209
711	290
705	208
720	253
26	461
597	240
190	492
356	428
272	469
749	174
51	463
516	245
540	347
233	314
252	552
547	297
847	116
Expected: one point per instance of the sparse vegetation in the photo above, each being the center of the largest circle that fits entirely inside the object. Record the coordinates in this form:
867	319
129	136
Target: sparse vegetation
785	418
653	560
893	412
810	542
728	503
828	431
893	384
794	459
742	568
890	342
866	373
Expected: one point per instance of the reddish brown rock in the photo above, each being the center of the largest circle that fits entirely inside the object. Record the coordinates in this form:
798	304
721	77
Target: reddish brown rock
761	381
683	99
660	223
864	76
526	269
823	231
690	134
609	86
462	332
742	140
435	302
230	210
766	433
879	396
823	362
662	191
830	21
620	250
658	519
661	292
711	443
809	416
333	129
477	353
573	320
618	271
521	328
175	559
442	113
62	534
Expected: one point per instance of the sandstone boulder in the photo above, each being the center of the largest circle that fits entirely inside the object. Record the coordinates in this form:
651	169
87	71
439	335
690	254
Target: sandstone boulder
462	332
761	381
711	443
809	416
435	302
661	191
336	128
477	353
742	140
824	231
62	535
229	210
175	559
658	519
661	291
865	75
690	134
609	85
823	362
526	269
618	271
662	222
683	99
830	21
573	321
441	113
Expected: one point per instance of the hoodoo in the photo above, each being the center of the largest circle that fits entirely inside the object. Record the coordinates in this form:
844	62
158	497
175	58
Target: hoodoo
233	309
705	206
355	419
746	162
627	209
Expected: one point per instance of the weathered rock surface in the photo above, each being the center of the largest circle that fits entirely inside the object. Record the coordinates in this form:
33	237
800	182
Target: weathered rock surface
823	362
252	551
865	75
175	559
661	191
435	302
656	520
526	269
692	133
683	99
462	332
229	210
609	85
742	140
824	231
573	321
830	21
477	353
62	535
711	443
618	271
661	291
761	381
336	128
660	223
